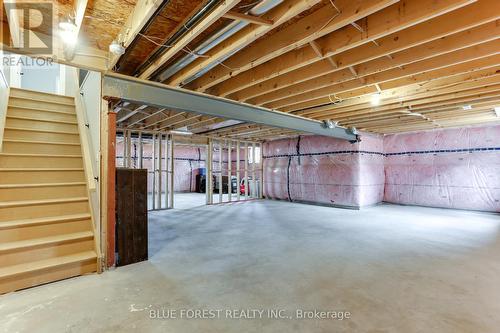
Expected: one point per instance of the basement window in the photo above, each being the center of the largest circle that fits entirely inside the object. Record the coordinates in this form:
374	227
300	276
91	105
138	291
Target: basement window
257	155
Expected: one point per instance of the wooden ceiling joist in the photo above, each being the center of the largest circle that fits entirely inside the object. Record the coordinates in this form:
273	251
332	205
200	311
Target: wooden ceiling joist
280	14
431	64
349	89
455	63
409	39
178	123
167	121
483	33
140	118
80	6
408	99
194	32
142	13
317	24
126	113
199	125
153	121
234	129
394	119
247	18
418	106
468	81
390	20
477	105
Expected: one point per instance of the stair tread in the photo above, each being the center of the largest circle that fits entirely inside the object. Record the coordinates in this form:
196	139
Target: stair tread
41	109
39	130
34	99
18	245
43	220
42	142
43	120
16	89
7	204
6	186
39	155
46	263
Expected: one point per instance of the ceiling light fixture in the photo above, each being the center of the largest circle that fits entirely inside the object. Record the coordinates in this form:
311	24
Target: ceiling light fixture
116	48
68	24
68	37
375	100
497	110
67	31
467	107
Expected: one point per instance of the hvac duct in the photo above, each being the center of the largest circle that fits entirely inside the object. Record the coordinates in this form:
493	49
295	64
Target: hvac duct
214	40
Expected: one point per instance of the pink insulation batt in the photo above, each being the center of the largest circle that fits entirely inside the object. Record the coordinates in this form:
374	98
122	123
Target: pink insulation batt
451	168
188	161
322	170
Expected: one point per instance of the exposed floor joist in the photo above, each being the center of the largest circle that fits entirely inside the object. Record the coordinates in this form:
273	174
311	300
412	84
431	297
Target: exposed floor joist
314	58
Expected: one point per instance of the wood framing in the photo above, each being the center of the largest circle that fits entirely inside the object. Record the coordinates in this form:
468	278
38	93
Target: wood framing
142	13
349	38
305	30
325	60
280	14
220	11
247	18
80	6
409	39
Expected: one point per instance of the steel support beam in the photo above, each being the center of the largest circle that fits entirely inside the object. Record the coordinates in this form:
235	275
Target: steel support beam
163	96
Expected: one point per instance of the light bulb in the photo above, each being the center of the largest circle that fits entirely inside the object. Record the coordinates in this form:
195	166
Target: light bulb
375	99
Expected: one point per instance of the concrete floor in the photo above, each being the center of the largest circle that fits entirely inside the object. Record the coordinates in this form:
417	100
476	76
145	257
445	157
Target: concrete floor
395	269
187	200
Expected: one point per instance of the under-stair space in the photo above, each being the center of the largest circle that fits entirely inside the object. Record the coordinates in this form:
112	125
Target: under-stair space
46	230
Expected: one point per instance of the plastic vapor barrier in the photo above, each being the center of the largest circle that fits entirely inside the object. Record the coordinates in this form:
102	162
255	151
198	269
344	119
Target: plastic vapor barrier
451	168
188	161
324	170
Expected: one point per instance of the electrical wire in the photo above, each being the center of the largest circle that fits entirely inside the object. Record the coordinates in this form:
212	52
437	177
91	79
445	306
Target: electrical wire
332	18
250	4
337	101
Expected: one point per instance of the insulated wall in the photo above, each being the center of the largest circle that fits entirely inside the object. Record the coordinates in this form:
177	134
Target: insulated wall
451	168
372	177
325	170
188	161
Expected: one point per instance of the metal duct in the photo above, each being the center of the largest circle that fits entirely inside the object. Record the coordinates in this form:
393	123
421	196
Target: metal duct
214	40
178	34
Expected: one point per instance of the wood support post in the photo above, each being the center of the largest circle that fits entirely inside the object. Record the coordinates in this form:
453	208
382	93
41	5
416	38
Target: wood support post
109	170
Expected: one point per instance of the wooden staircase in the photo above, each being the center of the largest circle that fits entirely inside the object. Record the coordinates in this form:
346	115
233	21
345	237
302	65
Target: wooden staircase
46	229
